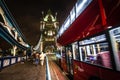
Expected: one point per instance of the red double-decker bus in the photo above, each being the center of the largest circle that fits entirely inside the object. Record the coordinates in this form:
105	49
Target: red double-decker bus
89	40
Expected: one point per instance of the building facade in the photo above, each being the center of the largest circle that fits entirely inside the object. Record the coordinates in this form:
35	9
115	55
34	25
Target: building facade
48	27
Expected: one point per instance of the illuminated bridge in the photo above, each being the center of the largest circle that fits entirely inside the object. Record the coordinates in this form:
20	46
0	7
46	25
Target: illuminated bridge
85	46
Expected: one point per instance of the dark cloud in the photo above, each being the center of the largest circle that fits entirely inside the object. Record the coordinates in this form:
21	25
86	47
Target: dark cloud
27	14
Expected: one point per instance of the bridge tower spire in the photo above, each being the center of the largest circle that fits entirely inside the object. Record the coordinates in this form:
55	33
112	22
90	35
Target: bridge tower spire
48	28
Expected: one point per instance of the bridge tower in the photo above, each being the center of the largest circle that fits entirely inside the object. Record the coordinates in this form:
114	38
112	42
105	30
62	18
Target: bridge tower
48	27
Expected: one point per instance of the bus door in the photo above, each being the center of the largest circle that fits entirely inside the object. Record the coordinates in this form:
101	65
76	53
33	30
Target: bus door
76	55
69	58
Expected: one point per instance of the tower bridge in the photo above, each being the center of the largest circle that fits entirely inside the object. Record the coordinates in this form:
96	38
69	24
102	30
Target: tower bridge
86	46
48	27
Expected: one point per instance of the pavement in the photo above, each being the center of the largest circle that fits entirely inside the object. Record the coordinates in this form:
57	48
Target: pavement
24	71
29	71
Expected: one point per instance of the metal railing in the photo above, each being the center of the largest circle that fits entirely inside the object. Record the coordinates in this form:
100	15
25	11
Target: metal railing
48	75
7	61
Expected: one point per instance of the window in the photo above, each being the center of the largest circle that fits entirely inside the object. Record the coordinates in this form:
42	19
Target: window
95	51
75	51
115	41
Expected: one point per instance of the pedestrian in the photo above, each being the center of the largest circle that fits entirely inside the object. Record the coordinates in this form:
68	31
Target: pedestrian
42	57
36	58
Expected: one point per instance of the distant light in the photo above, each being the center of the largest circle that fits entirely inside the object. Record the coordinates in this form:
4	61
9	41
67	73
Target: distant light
27	45
81	5
109	27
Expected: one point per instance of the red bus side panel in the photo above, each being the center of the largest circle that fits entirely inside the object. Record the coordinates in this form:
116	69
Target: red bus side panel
84	71
64	64
109	74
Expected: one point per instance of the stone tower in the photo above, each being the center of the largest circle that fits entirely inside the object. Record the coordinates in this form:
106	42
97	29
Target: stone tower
48	28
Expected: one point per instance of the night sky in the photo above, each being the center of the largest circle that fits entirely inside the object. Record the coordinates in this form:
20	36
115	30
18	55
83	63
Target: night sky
27	14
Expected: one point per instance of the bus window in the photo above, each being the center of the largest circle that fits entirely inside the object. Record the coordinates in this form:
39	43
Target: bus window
63	52
82	53
95	51
103	56
115	41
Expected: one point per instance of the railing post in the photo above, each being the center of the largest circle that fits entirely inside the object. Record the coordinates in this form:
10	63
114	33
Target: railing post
48	75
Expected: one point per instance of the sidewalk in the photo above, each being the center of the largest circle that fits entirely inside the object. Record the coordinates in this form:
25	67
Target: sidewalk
23	71
29	71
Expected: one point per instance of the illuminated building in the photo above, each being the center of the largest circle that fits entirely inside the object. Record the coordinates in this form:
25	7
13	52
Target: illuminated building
48	28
